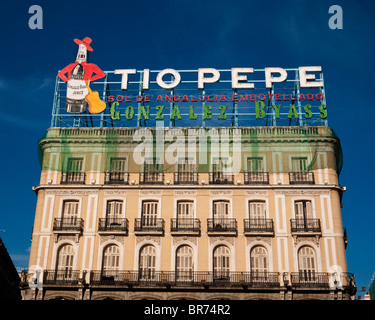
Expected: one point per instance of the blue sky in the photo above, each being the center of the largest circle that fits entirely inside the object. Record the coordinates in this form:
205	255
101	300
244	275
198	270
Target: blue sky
187	34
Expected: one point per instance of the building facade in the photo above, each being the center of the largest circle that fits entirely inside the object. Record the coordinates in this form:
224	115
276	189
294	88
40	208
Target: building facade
110	227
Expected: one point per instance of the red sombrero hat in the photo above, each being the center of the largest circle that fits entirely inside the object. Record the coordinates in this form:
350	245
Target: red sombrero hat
86	41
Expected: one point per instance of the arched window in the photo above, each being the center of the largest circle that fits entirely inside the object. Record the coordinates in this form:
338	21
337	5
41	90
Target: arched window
221	262
184	263
147	263
307	263
64	263
259	262
111	260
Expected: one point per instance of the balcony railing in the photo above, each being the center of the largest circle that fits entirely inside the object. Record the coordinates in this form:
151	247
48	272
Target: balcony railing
301	178
218	225
185	178
221	178
116	178
151	178
73	178
305	225
185	225
113	225
310	279
258	226
149	224
68	224
185	278
256	178
61	277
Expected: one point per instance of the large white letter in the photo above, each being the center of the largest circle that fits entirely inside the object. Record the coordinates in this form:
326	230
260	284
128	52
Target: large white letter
202	79
303	77
36	20
174	83
124	79
143	151
146	78
237	78
336	21
175	150
270	79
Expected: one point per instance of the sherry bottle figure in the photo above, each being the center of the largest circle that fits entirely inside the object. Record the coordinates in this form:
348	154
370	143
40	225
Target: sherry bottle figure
78	73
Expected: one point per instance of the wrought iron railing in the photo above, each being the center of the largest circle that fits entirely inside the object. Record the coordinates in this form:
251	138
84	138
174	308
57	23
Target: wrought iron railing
221	178
61	277
307	278
151	277
256	178
149	224
185	178
73	178
258	225
185	224
221	225
116	177
301	178
151	178
68	224
305	225
113	224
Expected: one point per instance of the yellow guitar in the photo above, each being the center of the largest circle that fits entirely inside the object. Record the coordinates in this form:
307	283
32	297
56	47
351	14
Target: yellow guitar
95	104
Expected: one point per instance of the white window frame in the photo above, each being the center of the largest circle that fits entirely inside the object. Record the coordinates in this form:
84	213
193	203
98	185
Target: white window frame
73	198
181	199
249	248
212	200
262	157
302	155
108	199
317	253
313	207
110	158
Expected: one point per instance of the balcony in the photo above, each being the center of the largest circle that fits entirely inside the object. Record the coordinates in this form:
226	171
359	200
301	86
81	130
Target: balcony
185	178
116	178
185	226
258	227
309	279
191	278
149	226
68	225
73	178
305	226
301	178
151	178
221	178
113	226
225	227
256	178
61	277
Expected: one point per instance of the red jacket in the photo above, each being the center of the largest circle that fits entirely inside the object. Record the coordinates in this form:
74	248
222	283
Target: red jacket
90	69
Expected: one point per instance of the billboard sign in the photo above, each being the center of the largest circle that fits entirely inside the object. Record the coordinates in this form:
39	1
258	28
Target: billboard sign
208	97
